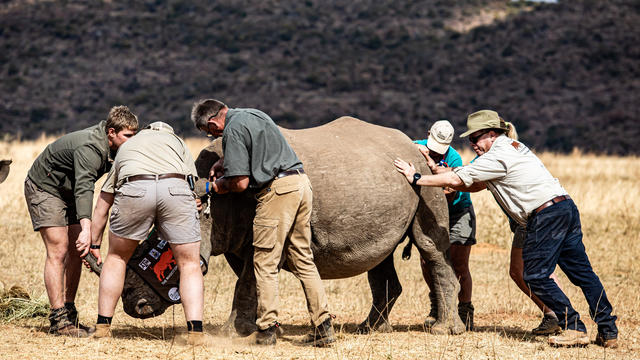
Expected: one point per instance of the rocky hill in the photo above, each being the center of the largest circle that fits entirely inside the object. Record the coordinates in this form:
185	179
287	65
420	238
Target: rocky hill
566	74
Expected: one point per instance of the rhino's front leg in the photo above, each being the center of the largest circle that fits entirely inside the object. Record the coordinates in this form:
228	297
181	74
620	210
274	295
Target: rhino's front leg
385	290
242	319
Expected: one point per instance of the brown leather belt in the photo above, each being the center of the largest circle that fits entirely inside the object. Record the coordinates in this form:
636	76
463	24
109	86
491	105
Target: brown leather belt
155	177
555	200
282	174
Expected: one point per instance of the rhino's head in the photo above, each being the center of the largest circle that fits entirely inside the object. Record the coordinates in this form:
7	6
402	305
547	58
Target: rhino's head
139	300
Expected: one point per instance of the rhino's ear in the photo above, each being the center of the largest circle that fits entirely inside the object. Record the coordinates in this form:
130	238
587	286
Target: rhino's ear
207	157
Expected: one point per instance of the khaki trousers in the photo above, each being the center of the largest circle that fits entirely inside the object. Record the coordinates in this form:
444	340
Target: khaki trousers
282	227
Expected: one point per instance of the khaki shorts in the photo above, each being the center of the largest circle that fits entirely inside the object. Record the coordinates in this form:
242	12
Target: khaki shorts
167	203
48	210
462	227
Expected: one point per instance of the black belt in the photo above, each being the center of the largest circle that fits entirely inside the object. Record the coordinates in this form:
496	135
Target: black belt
155	177
555	200
282	174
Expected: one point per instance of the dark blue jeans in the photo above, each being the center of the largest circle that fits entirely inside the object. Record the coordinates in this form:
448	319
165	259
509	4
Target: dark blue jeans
554	236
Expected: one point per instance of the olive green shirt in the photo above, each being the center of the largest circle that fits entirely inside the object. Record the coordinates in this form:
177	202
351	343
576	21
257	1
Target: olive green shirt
69	167
254	146
150	152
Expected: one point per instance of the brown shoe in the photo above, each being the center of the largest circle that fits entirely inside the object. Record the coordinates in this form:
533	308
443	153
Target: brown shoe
570	338
73	317
548	326
606	343
321	335
62	326
71	331
102	331
195	338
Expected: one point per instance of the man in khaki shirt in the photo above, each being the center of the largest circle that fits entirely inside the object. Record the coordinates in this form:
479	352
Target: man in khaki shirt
148	185
532	197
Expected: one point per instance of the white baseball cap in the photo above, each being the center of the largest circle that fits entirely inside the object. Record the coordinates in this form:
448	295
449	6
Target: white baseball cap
440	136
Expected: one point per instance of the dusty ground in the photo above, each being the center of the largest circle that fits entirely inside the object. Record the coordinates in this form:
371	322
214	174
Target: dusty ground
605	189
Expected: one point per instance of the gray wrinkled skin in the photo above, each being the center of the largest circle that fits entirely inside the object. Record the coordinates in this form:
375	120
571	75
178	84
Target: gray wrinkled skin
362	209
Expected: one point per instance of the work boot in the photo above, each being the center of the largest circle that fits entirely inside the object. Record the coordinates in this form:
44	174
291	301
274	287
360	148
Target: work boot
548	326
611	343
433	314
195	338
268	335
465	311
73	317
321	335
102	331
570	338
62	326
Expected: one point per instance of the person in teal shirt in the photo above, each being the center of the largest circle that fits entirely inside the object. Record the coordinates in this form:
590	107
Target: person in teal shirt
462	220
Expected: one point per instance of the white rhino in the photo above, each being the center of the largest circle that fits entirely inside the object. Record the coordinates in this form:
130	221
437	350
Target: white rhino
362	210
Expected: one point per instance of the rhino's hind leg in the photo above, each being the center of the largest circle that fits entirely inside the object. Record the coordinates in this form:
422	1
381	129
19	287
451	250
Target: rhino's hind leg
445	286
385	290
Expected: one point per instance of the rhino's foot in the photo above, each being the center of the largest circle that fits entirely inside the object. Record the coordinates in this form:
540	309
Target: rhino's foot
235	327
444	328
380	326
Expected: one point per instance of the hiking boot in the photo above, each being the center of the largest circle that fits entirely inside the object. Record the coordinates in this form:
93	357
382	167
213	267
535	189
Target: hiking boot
62	326
570	338
321	335
606	343
195	338
548	326
268	335
102	331
433	314
73	317
465	311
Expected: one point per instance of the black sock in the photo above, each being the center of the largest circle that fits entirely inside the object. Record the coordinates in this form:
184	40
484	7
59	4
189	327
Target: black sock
104	319
194	325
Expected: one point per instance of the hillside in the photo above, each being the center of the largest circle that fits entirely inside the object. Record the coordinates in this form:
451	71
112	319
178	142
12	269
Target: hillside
566	74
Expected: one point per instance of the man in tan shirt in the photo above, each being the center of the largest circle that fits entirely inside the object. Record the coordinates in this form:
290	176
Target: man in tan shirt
148	185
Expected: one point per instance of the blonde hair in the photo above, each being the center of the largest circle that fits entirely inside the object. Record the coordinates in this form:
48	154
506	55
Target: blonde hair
511	131
120	118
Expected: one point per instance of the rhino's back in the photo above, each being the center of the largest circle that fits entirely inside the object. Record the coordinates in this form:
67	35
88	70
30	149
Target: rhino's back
362	205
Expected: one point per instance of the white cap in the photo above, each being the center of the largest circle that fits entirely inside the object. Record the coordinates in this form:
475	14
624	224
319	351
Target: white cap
440	136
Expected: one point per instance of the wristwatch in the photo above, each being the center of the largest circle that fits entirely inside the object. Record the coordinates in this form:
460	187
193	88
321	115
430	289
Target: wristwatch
416	177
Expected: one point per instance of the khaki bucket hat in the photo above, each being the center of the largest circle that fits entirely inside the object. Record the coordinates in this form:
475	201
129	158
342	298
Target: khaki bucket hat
484	119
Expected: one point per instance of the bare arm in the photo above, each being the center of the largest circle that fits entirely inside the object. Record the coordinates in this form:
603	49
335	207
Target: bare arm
233	183
447	178
100	212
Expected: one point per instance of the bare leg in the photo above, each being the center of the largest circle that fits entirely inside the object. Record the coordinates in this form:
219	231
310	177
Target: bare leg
56	243
113	273
516	269
460	261
191	280
72	265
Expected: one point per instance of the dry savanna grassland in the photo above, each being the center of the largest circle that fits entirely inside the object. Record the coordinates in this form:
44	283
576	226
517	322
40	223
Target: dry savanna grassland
604	188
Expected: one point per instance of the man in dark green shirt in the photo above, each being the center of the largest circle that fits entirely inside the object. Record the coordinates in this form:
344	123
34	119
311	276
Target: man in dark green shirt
256	154
59	194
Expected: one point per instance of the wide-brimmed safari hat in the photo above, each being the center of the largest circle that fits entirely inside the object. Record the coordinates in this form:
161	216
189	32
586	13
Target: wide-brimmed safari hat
484	119
440	136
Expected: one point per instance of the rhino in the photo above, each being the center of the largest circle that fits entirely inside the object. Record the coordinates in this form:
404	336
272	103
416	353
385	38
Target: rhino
362	210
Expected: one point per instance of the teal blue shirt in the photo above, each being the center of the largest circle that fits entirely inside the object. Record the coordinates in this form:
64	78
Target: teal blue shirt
462	200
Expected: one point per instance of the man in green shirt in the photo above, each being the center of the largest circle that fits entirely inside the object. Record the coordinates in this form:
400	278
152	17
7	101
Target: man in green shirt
257	155
59	194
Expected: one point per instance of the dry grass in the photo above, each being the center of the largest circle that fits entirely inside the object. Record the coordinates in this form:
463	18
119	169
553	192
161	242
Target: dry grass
605	189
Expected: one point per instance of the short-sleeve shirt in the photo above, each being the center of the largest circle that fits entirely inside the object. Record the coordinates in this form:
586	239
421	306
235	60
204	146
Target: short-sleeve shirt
150	152
515	176
462	200
254	146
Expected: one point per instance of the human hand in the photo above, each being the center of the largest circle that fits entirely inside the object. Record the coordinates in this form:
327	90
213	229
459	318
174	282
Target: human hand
83	242
405	168
217	170
93	261
198	204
